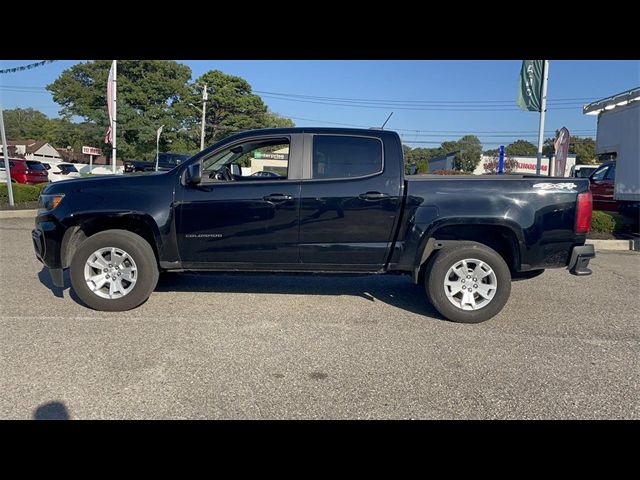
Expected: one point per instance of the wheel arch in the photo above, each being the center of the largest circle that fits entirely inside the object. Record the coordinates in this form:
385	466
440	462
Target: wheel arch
502	235
85	226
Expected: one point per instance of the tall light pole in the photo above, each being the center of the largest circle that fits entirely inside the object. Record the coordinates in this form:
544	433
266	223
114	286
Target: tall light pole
158	144
204	110
5	153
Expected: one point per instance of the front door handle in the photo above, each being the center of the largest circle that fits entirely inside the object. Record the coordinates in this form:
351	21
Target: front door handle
373	196
277	197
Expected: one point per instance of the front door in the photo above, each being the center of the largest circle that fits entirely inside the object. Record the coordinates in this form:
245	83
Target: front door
247	219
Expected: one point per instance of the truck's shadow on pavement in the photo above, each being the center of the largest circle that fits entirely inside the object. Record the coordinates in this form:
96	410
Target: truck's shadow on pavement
394	290
397	291
45	279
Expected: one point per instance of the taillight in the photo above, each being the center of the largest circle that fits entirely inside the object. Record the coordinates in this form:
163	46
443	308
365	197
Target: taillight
584	208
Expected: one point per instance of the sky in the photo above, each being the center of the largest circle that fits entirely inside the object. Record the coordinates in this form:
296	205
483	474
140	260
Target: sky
431	100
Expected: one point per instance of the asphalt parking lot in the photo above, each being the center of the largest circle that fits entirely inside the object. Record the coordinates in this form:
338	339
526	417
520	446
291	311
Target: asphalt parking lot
220	346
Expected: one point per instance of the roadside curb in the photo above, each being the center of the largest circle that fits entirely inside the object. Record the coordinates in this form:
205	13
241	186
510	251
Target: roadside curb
18	213
611	244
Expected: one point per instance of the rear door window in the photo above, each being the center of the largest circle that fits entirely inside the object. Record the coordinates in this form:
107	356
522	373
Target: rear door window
336	156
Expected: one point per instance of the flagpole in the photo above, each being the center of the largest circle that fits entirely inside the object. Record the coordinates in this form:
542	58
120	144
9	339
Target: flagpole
113	121
543	111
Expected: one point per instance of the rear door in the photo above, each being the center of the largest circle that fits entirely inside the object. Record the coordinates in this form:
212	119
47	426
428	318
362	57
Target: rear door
349	202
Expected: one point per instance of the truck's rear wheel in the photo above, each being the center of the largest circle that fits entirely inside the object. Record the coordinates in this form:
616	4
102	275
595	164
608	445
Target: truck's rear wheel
468	282
114	270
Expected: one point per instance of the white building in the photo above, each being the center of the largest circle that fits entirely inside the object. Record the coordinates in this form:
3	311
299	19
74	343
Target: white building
520	165
35	150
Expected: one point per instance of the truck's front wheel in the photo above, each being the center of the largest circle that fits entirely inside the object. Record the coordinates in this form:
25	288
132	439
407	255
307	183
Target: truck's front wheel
114	270
468	282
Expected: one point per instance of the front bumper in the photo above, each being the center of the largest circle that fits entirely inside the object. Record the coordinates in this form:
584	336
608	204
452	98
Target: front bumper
47	239
579	260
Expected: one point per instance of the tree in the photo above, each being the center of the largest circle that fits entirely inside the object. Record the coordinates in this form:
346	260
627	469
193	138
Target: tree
148	91
470	152
231	107
25	124
273	120
448	147
584	148
521	148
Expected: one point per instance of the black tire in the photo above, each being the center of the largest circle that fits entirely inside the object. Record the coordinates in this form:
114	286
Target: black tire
439	266
141	253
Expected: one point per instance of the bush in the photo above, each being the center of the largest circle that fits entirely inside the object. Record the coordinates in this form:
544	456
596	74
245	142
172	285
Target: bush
605	222
21	193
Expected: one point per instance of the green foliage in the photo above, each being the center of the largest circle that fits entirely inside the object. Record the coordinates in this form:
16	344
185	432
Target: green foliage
273	120
584	148
494	152
25	124
422	167
469	156
147	91
231	107
419	157
605	222
521	148
150	93
21	193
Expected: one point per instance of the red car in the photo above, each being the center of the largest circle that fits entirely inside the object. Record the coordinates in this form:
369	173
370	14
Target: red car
603	181
27	171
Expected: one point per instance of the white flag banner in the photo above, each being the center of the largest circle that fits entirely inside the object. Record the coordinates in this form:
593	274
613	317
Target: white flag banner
109	136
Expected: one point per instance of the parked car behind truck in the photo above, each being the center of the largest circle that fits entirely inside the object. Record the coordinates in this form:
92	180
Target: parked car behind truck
344	206
28	172
616	185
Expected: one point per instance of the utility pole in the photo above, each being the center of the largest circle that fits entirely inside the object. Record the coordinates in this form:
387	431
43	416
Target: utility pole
543	110
5	153
204	112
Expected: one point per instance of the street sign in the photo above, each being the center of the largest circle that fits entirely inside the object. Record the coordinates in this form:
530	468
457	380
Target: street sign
91	151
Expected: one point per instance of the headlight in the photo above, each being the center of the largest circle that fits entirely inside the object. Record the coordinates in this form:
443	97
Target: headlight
49	202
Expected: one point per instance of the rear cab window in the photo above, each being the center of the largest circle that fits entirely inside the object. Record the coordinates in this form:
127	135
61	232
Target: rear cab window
35	165
339	156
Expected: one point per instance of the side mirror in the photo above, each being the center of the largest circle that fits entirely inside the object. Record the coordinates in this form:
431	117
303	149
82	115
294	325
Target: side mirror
194	173
236	171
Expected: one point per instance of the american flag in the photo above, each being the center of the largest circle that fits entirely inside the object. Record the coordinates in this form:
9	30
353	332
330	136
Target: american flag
109	136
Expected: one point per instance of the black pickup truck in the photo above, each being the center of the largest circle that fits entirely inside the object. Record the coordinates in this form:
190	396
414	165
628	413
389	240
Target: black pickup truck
166	161
343	206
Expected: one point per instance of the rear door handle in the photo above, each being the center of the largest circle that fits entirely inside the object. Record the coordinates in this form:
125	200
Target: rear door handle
277	197
373	196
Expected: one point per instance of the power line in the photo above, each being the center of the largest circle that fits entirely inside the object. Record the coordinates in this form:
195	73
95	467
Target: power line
434	102
419	132
460	108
